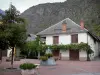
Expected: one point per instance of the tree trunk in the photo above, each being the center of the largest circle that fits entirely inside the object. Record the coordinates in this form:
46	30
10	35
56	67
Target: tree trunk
12	57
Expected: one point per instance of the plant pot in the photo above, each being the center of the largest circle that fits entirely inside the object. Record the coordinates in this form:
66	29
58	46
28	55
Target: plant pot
28	72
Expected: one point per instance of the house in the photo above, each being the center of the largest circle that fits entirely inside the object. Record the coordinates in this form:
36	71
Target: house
67	32
31	37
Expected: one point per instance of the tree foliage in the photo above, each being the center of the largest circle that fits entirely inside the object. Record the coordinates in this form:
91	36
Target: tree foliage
13	27
12	15
97	29
34	45
13	31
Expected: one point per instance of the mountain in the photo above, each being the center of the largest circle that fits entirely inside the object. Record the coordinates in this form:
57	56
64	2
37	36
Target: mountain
2	12
42	16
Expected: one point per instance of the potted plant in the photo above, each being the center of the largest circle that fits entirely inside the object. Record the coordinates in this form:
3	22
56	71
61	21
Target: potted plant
49	55
43	58
27	68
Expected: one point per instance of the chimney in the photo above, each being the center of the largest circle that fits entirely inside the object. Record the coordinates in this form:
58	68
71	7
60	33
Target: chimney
82	24
64	26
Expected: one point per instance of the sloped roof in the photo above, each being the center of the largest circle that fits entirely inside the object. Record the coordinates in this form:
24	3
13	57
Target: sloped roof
72	28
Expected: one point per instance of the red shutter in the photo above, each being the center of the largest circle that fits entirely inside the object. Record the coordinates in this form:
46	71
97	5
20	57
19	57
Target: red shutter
55	39
74	38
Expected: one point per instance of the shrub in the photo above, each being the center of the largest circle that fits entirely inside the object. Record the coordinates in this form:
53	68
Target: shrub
49	55
28	66
43	58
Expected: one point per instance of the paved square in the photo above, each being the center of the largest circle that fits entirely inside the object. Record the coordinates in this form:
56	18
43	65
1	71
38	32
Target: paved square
62	68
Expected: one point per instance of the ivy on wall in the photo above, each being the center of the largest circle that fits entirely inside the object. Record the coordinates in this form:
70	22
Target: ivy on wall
81	46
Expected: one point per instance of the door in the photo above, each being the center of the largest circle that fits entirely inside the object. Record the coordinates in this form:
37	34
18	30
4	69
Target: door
74	55
55	52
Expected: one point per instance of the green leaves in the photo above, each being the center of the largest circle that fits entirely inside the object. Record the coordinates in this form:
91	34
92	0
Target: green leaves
17	36
28	66
43	58
97	29
13	28
34	45
81	46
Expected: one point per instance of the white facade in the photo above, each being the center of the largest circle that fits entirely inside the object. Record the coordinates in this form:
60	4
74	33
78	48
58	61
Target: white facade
66	39
49	40
94	46
65	55
82	37
8	52
82	55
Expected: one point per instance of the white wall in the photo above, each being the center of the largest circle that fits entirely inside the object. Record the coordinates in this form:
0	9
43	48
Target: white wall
64	39
94	46
82	37
96	49
49	40
82	54
64	53
8	52
91	42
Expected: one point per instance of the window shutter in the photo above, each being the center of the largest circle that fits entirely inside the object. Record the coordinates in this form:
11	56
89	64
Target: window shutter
74	38
55	39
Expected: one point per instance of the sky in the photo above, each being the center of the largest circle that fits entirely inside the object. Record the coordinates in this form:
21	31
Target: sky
22	5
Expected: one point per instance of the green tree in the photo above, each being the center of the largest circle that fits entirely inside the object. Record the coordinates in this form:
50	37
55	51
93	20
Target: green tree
30	47
15	26
3	39
33	47
97	29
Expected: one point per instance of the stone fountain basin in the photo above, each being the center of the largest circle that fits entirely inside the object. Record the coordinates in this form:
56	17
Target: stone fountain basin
49	62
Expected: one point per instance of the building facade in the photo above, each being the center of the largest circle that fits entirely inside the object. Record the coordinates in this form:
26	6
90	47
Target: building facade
68	32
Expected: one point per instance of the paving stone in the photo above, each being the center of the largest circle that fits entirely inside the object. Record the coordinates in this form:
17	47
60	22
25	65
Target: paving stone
84	74
62	68
96	73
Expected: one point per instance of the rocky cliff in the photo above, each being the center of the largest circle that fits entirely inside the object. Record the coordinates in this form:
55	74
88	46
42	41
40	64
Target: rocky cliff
43	15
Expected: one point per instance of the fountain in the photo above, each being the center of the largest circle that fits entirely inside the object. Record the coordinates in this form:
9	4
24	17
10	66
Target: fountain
50	61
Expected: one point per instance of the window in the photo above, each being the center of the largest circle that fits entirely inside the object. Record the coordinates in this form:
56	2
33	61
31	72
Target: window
43	39
74	38
55	39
